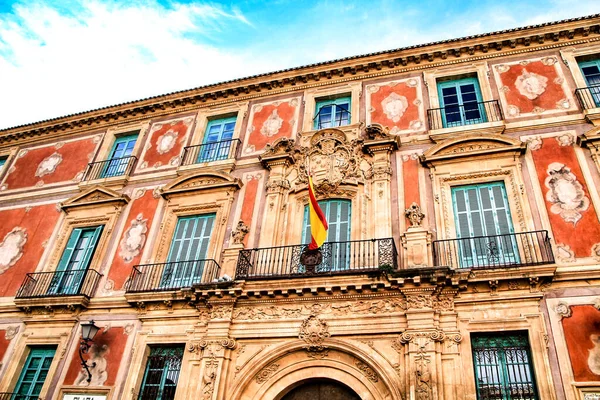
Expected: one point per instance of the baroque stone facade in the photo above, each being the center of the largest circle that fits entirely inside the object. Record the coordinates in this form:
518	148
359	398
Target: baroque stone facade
451	237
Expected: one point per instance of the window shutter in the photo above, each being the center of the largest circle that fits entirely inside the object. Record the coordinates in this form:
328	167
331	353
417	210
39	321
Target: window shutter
203	232
88	252
68	251
34	374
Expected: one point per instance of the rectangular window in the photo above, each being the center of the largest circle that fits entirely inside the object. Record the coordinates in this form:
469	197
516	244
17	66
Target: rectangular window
119	156
503	367
187	255
483	221
2	162
162	373
461	102
591	73
338	215
35	371
332	113
73	265
218	138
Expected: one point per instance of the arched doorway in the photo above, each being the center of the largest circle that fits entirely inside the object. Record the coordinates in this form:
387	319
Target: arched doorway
321	389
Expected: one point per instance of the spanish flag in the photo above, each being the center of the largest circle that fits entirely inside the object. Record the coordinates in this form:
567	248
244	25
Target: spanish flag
318	223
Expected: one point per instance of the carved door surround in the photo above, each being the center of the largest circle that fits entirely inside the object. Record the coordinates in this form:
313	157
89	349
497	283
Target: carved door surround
473	159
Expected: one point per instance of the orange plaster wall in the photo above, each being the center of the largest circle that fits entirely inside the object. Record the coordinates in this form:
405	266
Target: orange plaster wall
152	157
579	329
548	100
4	342
285	110
581	236
121	269
38	223
116	340
410	173
75	157
248	204
410	115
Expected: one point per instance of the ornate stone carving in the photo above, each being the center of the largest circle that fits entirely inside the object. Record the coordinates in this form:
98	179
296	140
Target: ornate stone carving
134	238
565	193
531	85
48	165
563	310
376	131
209	377
11	332
314	331
414	215
281	146
367	371
422	375
220	312
419	301
11	248
239	233
264	374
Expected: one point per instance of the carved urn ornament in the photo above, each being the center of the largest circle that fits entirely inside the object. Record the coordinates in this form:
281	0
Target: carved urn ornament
414	215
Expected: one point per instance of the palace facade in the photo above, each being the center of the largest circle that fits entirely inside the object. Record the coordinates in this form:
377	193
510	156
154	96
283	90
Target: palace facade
460	180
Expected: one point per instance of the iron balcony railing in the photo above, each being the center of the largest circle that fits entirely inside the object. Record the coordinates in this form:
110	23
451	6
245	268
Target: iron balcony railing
329	118
78	282
172	275
498	251
589	97
109	168
333	258
16	396
209	152
470	113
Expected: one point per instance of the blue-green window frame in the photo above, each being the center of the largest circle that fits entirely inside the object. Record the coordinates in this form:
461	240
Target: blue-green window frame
482	215
35	371
592	81
2	163
467	109
75	261
218	139
188	250
120	152
503	366
340	106
171	357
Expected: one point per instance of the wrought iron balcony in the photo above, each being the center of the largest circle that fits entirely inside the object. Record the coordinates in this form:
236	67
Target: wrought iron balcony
589	97
499	251
172	275
16	396
78	282
109	168
340	258
464	114
209	152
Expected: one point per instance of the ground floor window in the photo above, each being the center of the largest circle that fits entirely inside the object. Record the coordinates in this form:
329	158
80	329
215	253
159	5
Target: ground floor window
162	373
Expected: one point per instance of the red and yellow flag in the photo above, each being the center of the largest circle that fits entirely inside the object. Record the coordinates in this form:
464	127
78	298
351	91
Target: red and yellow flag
318	223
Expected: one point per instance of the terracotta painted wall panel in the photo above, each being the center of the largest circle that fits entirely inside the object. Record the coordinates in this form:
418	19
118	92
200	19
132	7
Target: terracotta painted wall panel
24	232
133	240
582	334
107	352
533	87
571	213
4	342
249	202
397	105
269	122
165	144
410	174
62	162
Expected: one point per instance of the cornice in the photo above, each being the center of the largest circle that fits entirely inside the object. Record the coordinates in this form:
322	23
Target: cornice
486	46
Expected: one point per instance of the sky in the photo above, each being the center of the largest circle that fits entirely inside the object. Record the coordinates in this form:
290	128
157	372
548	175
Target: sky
59	57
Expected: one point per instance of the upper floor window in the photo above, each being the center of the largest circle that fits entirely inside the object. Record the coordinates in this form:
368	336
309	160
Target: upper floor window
162	373
119	157
73	265
2	162
34	373
591	74
218	140
187	255
461	102
483	222
503	367
330	113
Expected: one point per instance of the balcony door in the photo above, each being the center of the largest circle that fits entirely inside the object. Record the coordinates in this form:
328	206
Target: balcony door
217	140
185	263
72	267
34	372
331	113
336	251
461	102
591	73
484	225
119	156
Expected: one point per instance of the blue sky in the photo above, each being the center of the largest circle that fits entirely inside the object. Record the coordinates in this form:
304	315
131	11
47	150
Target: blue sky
63	56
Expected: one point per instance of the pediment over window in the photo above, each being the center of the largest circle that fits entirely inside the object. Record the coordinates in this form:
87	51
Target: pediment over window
470	146
206	180
590	139
95	196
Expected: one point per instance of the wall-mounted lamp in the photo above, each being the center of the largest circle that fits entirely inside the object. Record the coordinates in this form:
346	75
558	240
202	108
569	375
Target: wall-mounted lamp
88	332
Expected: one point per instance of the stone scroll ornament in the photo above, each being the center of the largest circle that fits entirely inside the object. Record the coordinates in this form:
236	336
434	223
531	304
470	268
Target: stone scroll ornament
414	215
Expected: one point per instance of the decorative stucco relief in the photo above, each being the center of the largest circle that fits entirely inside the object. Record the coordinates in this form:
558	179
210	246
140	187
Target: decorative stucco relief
166	141
565	193
98	367
48	165
531	85
134	239
272	125
11	332
264	374
11	248
394	106
314	331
